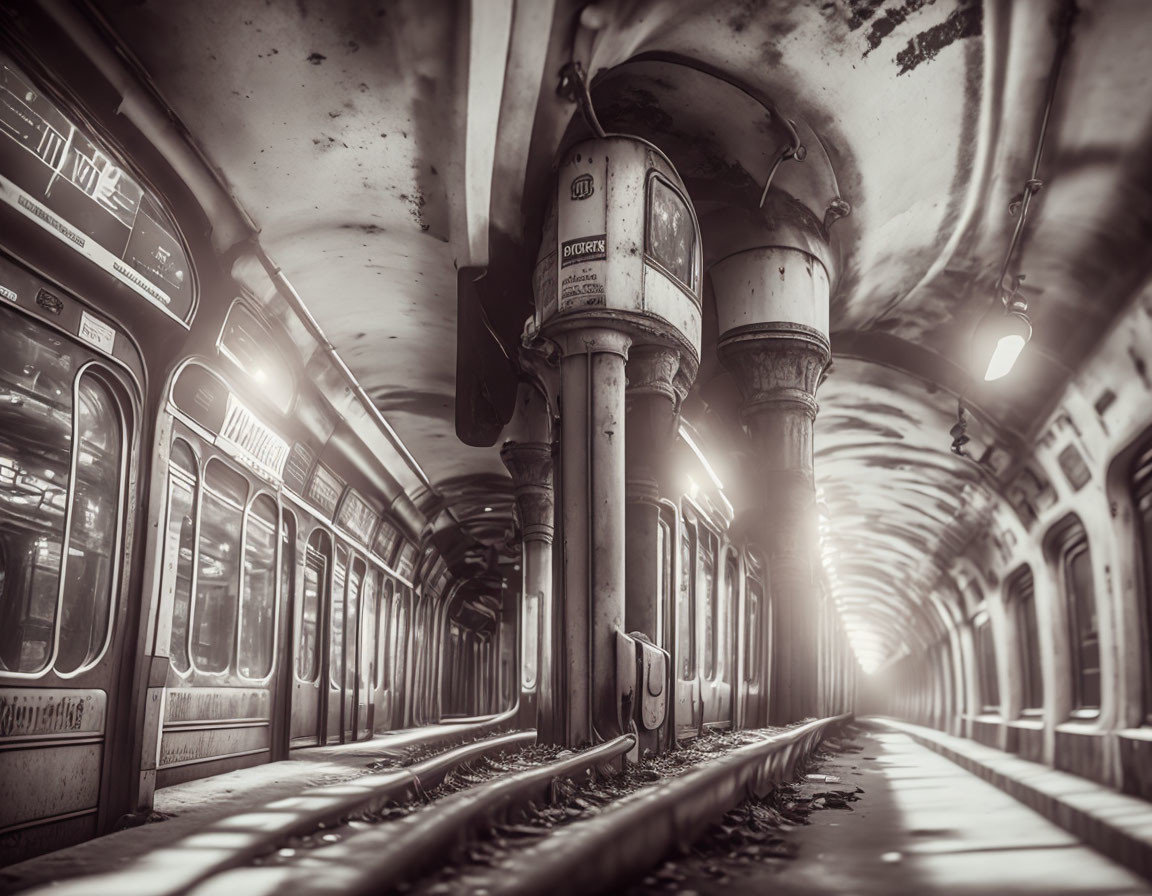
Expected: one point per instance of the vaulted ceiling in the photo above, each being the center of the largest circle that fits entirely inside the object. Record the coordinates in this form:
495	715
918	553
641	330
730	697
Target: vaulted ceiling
383	147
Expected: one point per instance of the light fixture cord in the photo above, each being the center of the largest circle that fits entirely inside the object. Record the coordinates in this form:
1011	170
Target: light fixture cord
793	150
574	87
1033	185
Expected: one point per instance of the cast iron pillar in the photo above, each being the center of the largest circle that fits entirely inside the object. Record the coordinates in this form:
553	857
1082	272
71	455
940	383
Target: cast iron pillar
593	526
618	271
772	308
657	384
530	464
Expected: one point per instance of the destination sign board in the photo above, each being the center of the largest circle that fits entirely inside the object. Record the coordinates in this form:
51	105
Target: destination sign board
54	174
357	517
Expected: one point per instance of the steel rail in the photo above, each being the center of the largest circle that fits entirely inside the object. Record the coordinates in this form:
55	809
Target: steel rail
377	860
233	841
604	852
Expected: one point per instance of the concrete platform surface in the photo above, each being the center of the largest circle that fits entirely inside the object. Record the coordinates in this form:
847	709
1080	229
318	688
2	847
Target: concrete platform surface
922	825
1115	823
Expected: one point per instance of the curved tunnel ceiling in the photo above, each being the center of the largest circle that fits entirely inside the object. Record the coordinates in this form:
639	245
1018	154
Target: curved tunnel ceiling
339	127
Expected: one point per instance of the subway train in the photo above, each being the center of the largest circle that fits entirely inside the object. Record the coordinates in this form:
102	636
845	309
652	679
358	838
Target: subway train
208	556
594	369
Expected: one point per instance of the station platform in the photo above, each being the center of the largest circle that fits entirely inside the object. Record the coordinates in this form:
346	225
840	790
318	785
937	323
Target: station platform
184	809
918	824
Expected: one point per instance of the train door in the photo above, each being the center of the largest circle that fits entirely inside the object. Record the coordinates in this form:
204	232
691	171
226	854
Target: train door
401	654
308	640
349	667
68	442
688	711
707	641
335	664
752	633
286	656
382	691
717	599
368	652
220	689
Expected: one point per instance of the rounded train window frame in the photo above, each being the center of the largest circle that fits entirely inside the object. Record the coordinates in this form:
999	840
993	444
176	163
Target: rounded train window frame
116	582
197	493
116	585
276	596
231	668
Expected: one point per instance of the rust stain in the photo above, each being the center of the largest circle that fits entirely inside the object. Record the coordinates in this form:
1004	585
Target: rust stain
860	11
890	19
967	20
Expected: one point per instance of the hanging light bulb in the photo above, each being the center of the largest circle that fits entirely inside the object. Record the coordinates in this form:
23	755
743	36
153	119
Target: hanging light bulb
999	339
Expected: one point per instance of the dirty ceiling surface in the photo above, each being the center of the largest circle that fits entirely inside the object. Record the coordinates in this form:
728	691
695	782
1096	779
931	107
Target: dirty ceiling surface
339	127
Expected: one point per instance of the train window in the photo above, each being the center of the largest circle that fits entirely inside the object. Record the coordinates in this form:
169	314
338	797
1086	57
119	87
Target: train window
51	438
90	569
317	559
383	628
671	236
287	559
387	537
754	598
400	639
707	579
181	543
218	568
666	547
336	627
36	371
183	458
258	594
355	583
529	668
731	599
247	344
1022	600
986	666
686	605
1084	638
369	634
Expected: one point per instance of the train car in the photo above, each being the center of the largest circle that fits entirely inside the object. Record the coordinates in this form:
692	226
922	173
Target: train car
204	562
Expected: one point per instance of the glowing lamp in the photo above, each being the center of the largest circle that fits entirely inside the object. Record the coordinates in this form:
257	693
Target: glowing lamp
999	338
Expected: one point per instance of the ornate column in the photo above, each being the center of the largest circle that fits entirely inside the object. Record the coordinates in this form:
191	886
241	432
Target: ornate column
530	464
772	292
608	281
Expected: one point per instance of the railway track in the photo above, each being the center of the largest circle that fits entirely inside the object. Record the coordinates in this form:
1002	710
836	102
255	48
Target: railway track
375	834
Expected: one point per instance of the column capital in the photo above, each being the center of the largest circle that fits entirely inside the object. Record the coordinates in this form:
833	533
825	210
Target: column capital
651	370
531	467
777	365
582	338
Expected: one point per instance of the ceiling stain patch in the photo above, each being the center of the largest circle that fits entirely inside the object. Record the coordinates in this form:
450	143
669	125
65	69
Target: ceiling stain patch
890	20
967	20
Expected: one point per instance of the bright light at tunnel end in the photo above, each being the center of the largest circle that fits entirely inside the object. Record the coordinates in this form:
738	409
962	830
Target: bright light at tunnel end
868	645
